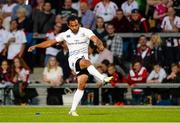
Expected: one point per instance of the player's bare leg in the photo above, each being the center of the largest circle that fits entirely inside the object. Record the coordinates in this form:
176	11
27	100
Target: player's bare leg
81	79
84	63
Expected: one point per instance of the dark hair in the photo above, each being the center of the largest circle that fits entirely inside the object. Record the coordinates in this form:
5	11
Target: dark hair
72	18
106	62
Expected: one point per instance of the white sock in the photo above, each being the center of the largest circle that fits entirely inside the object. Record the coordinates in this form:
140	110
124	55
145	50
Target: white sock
76	99
93	71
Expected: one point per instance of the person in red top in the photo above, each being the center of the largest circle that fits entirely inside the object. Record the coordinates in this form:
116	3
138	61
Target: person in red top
137	74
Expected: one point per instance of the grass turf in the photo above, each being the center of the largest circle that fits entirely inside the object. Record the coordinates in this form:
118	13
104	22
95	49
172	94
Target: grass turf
90	114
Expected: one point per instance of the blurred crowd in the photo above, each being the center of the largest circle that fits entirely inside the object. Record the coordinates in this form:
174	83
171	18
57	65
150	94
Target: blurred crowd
153	59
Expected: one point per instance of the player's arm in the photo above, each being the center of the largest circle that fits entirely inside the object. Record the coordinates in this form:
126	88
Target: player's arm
44	44
97	42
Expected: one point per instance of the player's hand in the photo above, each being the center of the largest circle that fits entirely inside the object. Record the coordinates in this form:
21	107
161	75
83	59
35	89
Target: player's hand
31	48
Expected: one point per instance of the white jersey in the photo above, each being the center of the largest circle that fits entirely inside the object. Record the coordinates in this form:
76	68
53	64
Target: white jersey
77	44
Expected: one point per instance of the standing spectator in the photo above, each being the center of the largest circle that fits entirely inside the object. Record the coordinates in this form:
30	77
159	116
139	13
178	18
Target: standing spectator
67	10
157	75
7	13
138	23
22	20
59	20
46	22
100	28
52	51
20	78
171	23
88	17
106	9
120	22
3	36
16	41
53	75
144	53
21	3
128	6
114	43
62	58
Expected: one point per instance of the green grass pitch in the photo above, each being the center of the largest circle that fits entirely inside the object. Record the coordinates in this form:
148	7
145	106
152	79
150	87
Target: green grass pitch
90	114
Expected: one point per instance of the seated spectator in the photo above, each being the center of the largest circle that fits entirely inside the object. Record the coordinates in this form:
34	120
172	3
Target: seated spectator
174	76
53	76
22	20
16	40
121	23
20	78
137	22
114	43
67	10
128	6
144	53
93	55
46	22
155	43
21	3
171	22
7	12
157	75
105	54
100	28
53	73
106	9
88	17
59	20
3	36
137	74
52	51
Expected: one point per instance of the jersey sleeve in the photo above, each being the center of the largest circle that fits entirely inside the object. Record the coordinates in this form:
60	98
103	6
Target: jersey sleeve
89	33
60	37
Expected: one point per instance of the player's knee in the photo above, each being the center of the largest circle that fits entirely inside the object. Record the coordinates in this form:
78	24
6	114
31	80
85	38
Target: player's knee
85	62
82	85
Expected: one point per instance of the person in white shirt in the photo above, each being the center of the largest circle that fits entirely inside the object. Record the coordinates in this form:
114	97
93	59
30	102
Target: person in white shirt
106	9
128	6
157	75
171	23
52	72
77	39
52	51
16	40
7	12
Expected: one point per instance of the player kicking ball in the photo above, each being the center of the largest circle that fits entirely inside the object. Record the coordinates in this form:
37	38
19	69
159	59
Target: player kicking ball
77	39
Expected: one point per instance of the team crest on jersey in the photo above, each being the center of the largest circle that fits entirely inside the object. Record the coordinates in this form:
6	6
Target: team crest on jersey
68	36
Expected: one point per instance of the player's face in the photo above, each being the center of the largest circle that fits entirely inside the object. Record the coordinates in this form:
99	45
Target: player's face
74	26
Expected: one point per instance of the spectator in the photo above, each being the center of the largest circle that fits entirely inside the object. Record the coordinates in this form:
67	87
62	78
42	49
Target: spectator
16	40
106	9
157	75
88	17
137	22
52	51
174	76
20	78
137	74
21	3
93	55
144	53
46	22
53	73
100	28
59	20
114	43
3	36
53	76
22	20
155	44
128	6
67	10
62	58
105	54
7	13
171	23
121	23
